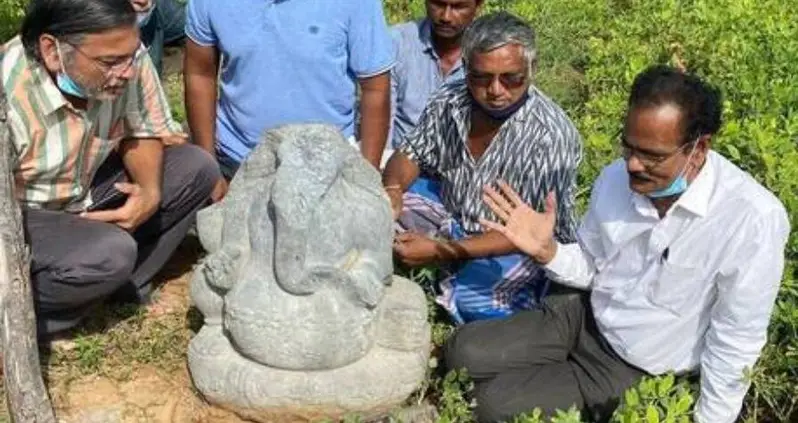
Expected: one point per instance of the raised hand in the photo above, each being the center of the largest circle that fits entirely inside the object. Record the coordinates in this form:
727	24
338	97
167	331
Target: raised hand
529	230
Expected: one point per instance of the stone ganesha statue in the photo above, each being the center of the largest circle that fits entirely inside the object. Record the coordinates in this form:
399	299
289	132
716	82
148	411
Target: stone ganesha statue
302	314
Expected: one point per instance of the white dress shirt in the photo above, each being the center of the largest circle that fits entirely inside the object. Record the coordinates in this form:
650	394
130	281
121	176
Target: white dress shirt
693	289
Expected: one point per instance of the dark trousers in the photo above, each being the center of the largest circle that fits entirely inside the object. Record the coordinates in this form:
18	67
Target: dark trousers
550	358
77	262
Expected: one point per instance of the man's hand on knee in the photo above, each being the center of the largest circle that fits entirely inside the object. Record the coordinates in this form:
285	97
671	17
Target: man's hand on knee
140	206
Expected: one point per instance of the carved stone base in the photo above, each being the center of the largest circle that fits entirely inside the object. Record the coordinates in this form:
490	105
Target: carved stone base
392	369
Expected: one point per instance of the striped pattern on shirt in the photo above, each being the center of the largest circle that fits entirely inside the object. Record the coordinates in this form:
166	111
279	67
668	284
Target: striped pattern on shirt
58	147
536	150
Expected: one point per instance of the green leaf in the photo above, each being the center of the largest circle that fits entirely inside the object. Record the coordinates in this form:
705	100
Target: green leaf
632	398
652	415
665	384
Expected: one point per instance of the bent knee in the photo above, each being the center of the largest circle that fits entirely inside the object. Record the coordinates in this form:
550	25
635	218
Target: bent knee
109	256
464	350
197	169
491	405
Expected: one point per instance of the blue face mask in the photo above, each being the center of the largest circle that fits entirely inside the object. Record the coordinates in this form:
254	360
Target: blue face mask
505	113
142	18
677	186
65	83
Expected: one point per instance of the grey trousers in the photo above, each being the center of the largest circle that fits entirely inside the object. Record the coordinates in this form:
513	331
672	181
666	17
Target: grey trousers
77	262
550	358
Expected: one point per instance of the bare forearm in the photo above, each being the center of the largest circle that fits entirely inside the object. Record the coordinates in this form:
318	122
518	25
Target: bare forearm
143	160
201	110
201	72
488	244
400	172
375	113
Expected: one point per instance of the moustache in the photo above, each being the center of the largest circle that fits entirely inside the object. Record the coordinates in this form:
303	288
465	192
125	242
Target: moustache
638	176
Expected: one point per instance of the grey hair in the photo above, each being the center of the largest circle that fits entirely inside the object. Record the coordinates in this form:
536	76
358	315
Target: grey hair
496	30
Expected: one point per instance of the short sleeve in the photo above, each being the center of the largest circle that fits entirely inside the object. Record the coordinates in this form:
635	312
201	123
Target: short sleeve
198	22
147	113
371	50
394	132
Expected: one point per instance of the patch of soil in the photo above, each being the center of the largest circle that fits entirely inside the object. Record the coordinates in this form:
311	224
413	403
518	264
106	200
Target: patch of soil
149	394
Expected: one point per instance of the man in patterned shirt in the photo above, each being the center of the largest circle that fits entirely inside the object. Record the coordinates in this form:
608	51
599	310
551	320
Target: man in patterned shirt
494	125
107	187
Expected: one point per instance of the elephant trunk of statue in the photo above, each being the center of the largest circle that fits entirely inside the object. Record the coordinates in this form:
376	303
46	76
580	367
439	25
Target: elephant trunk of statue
294	209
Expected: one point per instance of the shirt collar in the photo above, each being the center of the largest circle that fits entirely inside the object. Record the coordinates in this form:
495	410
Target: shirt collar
43	86
425	36
695	200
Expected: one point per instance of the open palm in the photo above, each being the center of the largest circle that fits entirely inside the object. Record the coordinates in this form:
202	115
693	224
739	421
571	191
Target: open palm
529	230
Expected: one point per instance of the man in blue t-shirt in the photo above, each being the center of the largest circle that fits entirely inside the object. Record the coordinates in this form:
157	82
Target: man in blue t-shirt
285	61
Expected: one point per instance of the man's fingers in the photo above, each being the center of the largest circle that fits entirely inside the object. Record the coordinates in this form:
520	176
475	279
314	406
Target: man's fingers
551	203
493	226
219	190
499	199
405	236
510	193
103	215
499	210
126	187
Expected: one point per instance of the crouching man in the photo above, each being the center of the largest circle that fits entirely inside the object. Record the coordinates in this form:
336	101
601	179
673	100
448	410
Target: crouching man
495	124
107	187
681	253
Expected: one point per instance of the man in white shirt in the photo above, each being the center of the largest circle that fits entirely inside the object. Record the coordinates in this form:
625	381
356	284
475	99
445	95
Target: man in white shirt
682	253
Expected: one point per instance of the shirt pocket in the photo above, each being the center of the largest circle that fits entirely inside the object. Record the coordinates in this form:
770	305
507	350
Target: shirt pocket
676	288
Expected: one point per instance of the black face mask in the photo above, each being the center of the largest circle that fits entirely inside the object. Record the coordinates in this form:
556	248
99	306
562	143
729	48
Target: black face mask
502	114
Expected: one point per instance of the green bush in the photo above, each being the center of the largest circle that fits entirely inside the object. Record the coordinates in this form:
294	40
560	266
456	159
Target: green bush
11	12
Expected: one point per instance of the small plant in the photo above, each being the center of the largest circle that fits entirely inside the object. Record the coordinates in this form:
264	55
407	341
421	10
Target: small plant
656	400
89	351
536	416
453	390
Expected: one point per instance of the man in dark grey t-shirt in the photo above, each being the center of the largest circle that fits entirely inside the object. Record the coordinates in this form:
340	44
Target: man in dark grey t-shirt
493	126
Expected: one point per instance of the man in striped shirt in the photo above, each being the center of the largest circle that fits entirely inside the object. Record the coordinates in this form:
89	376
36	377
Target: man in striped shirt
107	186
494	125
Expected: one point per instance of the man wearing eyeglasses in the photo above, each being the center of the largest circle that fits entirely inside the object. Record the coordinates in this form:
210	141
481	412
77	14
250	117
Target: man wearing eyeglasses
681	253
493	125
107	186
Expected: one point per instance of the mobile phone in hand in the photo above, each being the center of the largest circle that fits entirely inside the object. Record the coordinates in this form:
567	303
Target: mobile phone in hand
113	200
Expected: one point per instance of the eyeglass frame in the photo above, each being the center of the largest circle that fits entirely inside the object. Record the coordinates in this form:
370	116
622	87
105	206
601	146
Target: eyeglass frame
511	84
648	161
107	69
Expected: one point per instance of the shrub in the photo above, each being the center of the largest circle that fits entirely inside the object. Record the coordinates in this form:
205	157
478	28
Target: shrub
11	12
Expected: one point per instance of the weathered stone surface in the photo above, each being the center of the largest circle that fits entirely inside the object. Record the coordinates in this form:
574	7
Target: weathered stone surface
302	315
